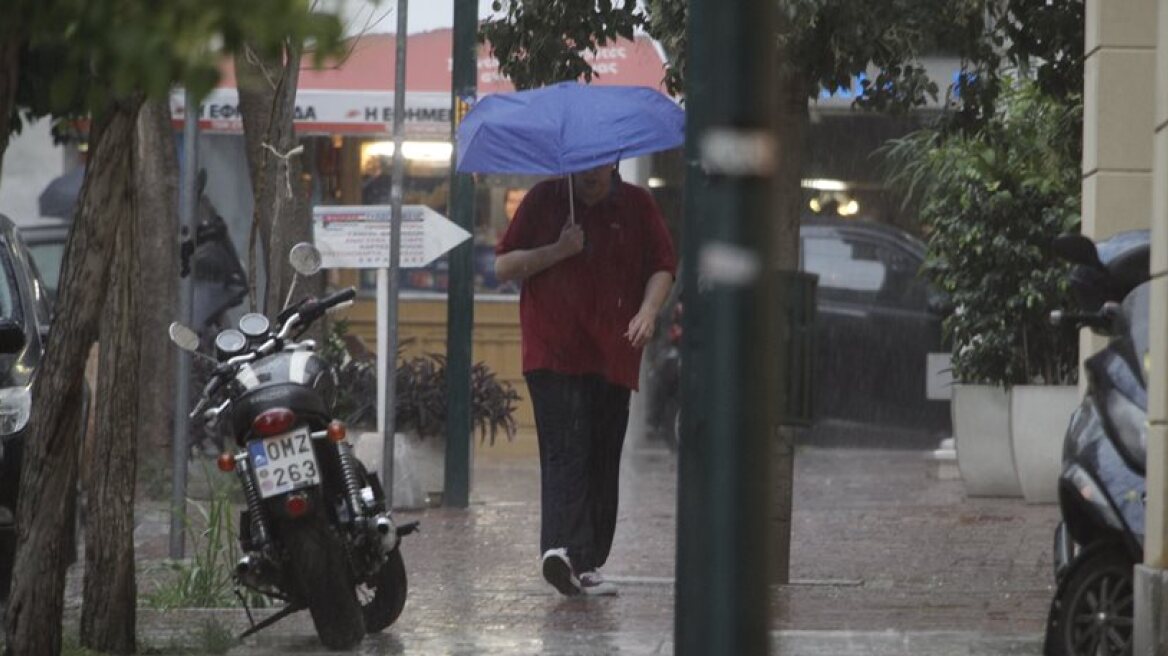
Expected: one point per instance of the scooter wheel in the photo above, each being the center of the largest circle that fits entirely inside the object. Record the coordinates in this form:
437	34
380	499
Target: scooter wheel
1094	612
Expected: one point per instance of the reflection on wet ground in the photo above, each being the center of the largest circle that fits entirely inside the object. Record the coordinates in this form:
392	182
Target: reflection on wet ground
885	560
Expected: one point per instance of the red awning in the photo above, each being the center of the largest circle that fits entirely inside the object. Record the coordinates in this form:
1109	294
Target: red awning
355	96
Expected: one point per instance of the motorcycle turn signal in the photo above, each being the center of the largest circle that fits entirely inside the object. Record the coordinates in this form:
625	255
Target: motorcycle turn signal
337	430
226	461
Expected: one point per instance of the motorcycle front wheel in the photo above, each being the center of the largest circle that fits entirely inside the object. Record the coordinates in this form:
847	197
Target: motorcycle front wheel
1094	613
317	566
387	594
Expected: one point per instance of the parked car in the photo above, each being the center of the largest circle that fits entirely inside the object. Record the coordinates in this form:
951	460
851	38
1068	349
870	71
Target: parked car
45	238
876	322
25	313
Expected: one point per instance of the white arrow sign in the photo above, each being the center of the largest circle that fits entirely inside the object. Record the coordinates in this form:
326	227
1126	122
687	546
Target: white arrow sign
359	236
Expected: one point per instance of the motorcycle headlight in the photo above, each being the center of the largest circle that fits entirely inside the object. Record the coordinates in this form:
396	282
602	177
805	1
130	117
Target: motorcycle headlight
15	406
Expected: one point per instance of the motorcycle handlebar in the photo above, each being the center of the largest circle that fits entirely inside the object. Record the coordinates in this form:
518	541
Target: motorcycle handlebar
314	308
307	312
1104	320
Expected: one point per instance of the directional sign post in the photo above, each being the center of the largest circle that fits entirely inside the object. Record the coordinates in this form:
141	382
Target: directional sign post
361	237
358	237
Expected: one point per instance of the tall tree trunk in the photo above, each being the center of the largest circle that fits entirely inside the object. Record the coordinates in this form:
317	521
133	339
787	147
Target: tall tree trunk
157	225
49	472
258	81
110	594
9	77
791	138
283	214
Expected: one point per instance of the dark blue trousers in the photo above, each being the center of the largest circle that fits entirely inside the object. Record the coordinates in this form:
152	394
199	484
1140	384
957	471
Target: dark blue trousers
581	422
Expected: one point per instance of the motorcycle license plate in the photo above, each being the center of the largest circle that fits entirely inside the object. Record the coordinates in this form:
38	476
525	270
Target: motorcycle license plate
284	462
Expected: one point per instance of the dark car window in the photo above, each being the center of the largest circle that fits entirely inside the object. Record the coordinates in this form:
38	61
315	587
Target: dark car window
43	300
847	271
9	298
48	256
859	269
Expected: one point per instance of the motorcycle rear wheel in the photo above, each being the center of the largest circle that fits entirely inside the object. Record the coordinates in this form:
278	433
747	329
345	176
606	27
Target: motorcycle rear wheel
318	568
389	588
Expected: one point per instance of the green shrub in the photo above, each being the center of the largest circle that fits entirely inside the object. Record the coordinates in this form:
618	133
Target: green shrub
206	579
420	390
991	203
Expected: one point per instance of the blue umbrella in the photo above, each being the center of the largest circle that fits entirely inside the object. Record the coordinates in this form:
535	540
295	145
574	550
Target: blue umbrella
566	127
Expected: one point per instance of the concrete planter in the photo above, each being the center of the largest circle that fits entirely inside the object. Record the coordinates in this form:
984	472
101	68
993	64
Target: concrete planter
981	430
419	466
1038	423
408	490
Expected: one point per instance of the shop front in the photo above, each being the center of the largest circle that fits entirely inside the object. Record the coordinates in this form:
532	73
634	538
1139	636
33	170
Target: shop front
344	116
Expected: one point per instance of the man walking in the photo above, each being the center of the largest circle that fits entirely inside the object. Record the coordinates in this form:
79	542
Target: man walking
590	296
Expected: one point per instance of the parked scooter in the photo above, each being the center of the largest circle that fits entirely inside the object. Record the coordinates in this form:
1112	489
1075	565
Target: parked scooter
316	531
1102	486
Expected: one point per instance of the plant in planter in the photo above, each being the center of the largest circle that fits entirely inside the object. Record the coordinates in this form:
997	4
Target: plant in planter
992	201
421	398
420	390
421	408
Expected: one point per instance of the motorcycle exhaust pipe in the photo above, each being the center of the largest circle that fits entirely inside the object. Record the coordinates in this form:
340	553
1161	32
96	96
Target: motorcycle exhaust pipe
245	565
385	529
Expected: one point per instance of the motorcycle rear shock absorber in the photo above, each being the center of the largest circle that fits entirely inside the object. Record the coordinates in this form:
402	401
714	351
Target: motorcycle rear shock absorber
255	510
352	485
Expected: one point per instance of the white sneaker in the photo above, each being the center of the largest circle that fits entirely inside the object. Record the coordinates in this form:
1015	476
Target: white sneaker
592	583
557	570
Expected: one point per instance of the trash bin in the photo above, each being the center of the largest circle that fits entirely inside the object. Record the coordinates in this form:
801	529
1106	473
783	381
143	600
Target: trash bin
796	315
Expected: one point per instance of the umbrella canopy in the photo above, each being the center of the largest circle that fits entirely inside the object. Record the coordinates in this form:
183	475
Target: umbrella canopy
566	127
59	197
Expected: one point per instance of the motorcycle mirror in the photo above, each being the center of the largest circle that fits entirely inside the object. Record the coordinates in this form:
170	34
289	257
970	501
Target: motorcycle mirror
305	258
184	337
1078	249
1113	313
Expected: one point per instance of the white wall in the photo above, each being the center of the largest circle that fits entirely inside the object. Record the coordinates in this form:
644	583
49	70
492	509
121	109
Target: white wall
31	162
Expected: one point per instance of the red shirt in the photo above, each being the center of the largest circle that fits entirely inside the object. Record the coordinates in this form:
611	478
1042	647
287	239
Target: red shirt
574	314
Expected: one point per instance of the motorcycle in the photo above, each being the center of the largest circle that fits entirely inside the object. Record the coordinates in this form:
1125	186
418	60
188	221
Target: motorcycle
663	383
316	531
1102	486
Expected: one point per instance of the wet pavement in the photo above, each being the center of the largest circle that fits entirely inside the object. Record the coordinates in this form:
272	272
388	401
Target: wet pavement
885	560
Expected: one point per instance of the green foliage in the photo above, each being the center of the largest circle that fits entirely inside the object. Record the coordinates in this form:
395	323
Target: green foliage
831	41
420	389
207	579
825	43
421	394
77	55
538	43
992	201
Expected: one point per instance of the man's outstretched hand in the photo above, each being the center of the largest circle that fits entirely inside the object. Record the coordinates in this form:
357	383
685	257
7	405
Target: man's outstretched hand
641	328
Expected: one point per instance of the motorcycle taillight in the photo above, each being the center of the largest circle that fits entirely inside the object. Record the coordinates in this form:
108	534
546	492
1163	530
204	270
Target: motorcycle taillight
273	422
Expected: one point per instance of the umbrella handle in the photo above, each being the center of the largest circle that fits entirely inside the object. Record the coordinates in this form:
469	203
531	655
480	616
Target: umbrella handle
571	201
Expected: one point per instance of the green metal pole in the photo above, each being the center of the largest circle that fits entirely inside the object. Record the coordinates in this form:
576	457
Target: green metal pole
460	301
723	557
